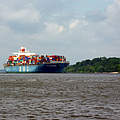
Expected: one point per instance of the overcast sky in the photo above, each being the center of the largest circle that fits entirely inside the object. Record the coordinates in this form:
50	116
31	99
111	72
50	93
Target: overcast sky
78	29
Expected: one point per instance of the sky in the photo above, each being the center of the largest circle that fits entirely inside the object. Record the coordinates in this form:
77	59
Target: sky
77	29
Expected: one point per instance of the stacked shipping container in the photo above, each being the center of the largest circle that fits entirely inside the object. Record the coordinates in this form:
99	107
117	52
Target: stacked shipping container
34	59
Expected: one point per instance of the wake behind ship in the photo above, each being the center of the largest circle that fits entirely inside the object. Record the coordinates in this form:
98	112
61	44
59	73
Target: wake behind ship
27	62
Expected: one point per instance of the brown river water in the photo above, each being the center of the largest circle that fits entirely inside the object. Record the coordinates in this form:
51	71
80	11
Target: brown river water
59	96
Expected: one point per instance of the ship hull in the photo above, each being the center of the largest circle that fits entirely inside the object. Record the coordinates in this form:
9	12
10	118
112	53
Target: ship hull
41	68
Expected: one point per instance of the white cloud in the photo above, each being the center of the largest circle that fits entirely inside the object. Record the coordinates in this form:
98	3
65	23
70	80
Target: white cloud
23	15
54	28
112	13
78	22
78	37
61	29
74	24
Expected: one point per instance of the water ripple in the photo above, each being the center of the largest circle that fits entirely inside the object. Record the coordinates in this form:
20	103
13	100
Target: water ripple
59	97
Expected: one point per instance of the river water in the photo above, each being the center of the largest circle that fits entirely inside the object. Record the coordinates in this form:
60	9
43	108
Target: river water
59	96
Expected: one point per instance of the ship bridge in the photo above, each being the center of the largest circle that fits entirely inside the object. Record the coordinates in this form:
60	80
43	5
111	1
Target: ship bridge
24	51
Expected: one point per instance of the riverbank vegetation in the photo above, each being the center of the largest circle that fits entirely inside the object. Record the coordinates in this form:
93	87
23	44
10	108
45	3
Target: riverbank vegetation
96	65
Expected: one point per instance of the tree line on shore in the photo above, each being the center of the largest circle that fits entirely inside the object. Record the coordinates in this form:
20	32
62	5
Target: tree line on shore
96	65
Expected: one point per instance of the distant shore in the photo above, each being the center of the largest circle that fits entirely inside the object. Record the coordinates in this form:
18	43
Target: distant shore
96	65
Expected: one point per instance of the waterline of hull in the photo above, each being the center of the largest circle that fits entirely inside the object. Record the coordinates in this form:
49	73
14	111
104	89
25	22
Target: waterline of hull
41	68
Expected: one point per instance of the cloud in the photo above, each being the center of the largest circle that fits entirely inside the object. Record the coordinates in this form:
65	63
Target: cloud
40	26
113	13
77	23
74	24
54	28
23	15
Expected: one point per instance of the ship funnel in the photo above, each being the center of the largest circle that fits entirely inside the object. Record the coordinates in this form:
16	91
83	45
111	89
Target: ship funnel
23	49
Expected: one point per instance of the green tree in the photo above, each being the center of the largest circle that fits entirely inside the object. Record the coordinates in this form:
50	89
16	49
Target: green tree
101	64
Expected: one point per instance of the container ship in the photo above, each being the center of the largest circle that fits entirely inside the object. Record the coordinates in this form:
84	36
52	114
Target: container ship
27	62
